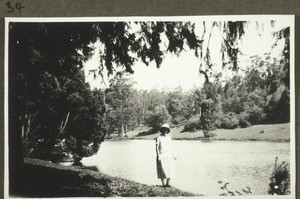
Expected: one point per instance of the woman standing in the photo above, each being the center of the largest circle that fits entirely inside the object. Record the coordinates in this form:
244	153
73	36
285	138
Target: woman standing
165	159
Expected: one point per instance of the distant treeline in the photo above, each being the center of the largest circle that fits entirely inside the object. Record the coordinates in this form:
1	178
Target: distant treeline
259	95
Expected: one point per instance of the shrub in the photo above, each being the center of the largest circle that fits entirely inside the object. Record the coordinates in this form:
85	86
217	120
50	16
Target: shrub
217	116
143	133
229	192
71	143
209	134
192	124
229	121
178	120
244	123
257	115
244	120
280	179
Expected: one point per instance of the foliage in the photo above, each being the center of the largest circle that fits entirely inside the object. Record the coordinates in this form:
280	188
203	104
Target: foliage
51	101
148	100
210	107
229	121
177	121
193	124
75	113
280	179
158	116
256	115
258	97
208	118
278	105
176	104
228	192
244	120
122	106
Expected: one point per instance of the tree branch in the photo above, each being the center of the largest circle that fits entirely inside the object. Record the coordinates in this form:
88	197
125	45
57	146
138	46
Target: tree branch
63	124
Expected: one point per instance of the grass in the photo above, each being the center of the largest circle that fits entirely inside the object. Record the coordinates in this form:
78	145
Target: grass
45	179
267	132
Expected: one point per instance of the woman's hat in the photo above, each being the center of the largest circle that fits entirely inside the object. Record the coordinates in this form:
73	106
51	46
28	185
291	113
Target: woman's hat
165	126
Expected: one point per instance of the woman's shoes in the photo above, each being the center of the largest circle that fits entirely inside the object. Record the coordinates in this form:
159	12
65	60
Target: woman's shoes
165	186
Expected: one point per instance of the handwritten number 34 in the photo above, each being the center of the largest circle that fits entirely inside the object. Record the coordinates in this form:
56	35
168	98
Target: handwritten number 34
18	6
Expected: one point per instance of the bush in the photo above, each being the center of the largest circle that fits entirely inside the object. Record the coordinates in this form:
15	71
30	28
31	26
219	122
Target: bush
244	120
178	120
257	115
280	179
193	124
143	133
229	121
209	134
244	123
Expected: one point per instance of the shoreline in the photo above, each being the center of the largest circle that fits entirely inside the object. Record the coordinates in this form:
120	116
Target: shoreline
256	133
204	140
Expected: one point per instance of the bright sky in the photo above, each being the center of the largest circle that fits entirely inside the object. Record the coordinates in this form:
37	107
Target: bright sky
174	72
184	70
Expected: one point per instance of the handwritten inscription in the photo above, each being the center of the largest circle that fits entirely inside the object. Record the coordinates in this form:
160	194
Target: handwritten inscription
14	7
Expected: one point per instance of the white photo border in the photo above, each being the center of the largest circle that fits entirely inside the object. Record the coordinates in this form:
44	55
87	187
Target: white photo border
290	21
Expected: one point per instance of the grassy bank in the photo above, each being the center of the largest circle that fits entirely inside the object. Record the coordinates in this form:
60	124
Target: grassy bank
269	132
44	179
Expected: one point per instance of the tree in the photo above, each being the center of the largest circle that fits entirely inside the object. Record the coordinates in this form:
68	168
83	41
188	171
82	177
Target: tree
121	105
177	106
68	109
87	122
207	119
43	57
157	117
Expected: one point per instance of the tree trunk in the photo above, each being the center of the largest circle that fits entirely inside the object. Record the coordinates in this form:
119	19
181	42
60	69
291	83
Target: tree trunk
122	131
25	126
126	129
23	130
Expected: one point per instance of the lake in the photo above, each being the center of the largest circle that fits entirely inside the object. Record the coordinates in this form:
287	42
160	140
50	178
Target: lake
199	165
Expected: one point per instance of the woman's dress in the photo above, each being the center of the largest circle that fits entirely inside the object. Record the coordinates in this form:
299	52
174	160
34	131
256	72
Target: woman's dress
165	160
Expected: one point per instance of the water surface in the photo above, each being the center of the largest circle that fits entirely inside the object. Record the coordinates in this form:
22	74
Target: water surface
199	165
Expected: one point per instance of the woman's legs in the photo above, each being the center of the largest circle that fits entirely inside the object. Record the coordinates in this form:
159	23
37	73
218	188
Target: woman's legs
168	182
163	182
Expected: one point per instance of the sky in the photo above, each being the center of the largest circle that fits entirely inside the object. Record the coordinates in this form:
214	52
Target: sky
183	70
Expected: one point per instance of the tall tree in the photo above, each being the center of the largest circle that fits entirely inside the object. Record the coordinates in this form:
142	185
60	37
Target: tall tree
121	105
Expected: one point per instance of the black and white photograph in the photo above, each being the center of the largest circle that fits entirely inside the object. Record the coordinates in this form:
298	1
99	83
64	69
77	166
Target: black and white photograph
182	106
